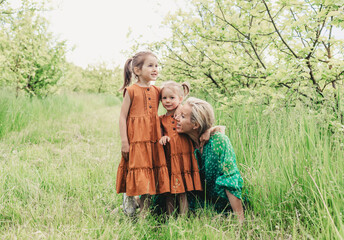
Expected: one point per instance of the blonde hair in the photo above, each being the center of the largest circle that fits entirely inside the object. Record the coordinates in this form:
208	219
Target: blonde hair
182	90
136	61
202	113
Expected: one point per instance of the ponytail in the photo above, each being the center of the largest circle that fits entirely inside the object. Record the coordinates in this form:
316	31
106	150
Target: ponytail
136	61
128	72
181	89
186	88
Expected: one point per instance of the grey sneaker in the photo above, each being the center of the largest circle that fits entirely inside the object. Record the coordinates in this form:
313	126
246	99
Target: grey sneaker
129	205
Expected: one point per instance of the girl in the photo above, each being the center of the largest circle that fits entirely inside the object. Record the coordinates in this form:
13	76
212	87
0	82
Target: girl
181	162
142	170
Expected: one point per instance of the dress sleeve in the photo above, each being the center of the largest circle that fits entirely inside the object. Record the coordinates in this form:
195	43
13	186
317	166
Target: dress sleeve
230	177
130	92
158	90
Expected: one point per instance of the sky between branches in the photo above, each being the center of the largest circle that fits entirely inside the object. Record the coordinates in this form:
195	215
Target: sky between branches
97	30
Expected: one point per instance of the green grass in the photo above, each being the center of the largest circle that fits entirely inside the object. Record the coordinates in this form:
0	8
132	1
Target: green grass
293	169
59	156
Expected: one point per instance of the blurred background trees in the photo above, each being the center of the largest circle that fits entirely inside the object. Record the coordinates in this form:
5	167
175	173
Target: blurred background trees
33	60
97	78
274	53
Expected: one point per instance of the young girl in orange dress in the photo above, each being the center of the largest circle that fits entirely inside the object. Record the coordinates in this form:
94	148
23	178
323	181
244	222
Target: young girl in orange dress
142	170
179	151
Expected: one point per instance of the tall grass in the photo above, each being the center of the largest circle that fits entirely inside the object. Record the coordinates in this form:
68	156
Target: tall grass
17	113
293	168
58	165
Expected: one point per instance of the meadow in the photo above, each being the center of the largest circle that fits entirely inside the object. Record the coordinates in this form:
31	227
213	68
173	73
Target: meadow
59	156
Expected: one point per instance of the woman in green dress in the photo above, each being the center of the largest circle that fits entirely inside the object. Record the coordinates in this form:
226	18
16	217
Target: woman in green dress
219	172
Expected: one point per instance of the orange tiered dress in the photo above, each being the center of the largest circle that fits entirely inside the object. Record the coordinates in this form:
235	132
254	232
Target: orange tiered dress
146	171
181	161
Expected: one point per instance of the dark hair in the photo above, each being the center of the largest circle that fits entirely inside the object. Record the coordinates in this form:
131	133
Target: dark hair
136	61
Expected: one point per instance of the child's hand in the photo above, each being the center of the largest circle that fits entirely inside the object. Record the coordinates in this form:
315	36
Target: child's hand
204	138
164	140
125	151
206	135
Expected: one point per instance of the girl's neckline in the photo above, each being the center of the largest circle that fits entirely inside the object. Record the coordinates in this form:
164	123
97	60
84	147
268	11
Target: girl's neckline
171	115
142	86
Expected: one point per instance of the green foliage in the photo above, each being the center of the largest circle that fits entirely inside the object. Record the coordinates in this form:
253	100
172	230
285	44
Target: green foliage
57	177
100	79
289	159
17	113
258	51
97	78
32	59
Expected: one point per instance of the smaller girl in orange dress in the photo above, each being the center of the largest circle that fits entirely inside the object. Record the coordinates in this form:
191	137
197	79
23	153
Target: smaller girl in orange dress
179	150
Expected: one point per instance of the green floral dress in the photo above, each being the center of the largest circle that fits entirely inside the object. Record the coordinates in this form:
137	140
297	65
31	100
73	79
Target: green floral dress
219	172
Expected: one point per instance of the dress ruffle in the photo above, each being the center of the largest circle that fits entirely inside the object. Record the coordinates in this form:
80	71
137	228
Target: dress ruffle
142	180
182	164
146	170
184	176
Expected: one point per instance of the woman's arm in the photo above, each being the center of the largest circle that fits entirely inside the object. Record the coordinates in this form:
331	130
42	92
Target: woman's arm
236	205
123	126
230	179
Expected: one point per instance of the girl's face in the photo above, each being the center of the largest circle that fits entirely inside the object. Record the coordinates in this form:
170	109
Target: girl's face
184	123
149	71
169	99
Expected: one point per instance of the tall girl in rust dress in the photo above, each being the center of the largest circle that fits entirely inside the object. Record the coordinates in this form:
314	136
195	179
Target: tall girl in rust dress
142	170
179	151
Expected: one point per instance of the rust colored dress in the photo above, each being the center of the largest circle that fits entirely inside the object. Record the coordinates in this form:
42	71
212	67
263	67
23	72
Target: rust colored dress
181	161
146	171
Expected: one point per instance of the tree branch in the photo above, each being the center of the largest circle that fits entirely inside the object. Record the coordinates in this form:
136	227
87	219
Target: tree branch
279	34
212	79
318	33
296	90
297	32
181	59
219	40
223	18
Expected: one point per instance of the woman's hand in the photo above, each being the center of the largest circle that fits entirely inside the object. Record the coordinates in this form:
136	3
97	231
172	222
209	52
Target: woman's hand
125	151
164	140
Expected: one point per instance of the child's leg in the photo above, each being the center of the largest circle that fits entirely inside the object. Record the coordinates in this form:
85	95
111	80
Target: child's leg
170	205
183	203
137	201
145	203
129	205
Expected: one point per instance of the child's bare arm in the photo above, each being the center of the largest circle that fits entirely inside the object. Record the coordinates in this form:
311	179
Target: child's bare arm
206	135
123	126
219	128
